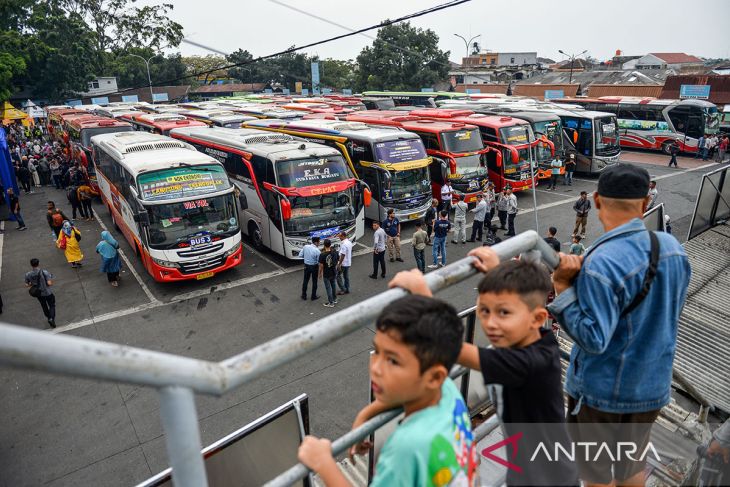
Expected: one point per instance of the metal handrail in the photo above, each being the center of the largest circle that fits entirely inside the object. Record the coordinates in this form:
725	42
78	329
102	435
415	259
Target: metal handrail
177	377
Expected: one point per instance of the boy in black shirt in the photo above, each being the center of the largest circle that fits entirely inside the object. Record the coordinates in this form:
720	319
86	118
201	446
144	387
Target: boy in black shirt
522	368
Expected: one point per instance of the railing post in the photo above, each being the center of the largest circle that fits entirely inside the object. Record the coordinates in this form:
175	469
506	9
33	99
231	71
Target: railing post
180	421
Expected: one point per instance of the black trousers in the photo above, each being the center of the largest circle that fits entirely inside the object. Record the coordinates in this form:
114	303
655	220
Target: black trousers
502	219
48	303
75	205
511	224
112	276
379	258
86	206
477	230
313	272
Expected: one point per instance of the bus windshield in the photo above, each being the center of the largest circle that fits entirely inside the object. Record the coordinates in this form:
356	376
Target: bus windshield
328	211
712	120
400	150
87	134
514	135
552	129
300	173
459	141
607	136
172	224
398	185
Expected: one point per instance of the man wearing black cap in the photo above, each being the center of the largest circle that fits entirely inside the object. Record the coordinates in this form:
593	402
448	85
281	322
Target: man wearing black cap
620	303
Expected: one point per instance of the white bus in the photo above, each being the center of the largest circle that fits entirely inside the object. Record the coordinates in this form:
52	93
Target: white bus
174	205
289	190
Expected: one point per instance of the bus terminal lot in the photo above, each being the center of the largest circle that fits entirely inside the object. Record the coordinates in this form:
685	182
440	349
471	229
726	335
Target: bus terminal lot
63	431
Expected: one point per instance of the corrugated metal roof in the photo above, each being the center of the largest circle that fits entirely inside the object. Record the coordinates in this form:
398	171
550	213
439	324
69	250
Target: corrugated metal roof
719	86
596	90
703	342
538	91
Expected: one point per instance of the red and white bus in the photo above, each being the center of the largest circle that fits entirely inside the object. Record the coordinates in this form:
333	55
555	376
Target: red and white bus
651	123
289	190
160	123
174	205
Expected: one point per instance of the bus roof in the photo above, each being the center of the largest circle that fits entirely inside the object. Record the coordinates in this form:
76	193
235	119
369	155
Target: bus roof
142	151
468	116
275	146
338	128
635	100
396	118
446	94
532	117
96	122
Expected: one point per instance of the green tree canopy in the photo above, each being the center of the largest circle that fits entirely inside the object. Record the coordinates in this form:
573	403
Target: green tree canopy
402	58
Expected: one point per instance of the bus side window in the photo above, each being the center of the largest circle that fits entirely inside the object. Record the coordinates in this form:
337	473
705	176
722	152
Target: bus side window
431	141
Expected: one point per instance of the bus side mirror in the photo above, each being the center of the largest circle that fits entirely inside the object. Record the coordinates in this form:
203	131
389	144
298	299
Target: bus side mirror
367	196
285	209
575	136
514	155
499	159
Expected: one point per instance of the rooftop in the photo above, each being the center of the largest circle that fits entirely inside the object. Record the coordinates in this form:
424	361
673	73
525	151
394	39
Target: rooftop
676	57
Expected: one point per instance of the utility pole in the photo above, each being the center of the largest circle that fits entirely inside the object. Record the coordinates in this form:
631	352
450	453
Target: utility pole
572	60
149	78
467	43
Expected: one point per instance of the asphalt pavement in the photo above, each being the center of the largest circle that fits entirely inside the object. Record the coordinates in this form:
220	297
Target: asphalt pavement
66	431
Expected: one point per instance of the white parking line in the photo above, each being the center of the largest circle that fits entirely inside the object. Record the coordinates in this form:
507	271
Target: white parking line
262	256
131	268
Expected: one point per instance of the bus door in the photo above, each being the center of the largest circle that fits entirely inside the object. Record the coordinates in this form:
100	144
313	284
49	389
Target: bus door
269	227
578	139
361	151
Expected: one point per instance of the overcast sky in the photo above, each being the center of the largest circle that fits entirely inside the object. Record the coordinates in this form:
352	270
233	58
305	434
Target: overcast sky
633	26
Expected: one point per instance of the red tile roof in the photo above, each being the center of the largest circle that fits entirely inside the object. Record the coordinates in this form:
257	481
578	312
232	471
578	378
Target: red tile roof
676	57
538	91
595	90
228	88
719	86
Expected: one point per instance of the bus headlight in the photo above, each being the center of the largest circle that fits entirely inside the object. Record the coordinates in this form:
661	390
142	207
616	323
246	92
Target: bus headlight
297	243
165	263
232	251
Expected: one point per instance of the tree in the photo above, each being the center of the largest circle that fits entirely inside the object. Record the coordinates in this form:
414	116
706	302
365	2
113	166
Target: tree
117	27
211	62
337	74
402	58
131	71
11	66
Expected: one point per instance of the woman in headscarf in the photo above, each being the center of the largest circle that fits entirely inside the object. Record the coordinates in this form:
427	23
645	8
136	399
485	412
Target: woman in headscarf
108	249
68	241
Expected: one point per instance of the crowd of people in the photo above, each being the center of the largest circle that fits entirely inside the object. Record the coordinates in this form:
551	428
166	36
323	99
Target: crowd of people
39	162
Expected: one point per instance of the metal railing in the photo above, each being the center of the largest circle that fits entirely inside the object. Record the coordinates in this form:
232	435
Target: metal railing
177	377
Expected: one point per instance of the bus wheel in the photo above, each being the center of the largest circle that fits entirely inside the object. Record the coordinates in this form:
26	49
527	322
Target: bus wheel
667	147
254	233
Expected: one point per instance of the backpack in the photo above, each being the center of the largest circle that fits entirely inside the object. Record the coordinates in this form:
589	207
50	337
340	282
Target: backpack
35	289
71	194
57	219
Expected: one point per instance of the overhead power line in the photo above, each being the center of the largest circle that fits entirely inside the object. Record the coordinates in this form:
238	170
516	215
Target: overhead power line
385	23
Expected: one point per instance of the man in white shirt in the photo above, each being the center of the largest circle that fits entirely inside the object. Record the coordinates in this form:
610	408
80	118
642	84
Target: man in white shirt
343	266
480	213
378	251
460	210
511	212
310	255
653	193
446	196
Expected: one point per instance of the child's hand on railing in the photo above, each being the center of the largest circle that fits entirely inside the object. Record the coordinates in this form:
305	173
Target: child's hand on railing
487	258
411	281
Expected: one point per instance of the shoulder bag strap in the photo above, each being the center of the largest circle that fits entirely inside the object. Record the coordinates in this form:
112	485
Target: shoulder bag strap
648	277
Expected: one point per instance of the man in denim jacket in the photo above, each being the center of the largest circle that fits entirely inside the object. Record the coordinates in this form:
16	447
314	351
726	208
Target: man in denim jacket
621	365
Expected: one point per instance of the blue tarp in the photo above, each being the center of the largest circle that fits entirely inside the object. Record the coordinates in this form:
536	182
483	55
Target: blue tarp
7	173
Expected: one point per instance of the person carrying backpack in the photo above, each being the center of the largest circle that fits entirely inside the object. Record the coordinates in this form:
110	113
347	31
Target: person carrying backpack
55	218
73	197
68	241
85	195
39	282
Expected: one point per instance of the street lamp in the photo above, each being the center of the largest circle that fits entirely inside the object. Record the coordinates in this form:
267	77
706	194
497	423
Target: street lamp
149	78
466	43
572	60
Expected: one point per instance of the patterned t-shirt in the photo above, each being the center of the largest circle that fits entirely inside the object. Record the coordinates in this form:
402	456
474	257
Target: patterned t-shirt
432	447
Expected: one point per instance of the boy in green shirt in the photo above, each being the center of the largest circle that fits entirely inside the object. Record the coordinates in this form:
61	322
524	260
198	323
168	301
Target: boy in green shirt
417	341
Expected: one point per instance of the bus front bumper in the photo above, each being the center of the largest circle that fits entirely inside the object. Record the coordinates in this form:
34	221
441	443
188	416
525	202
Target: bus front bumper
172	274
